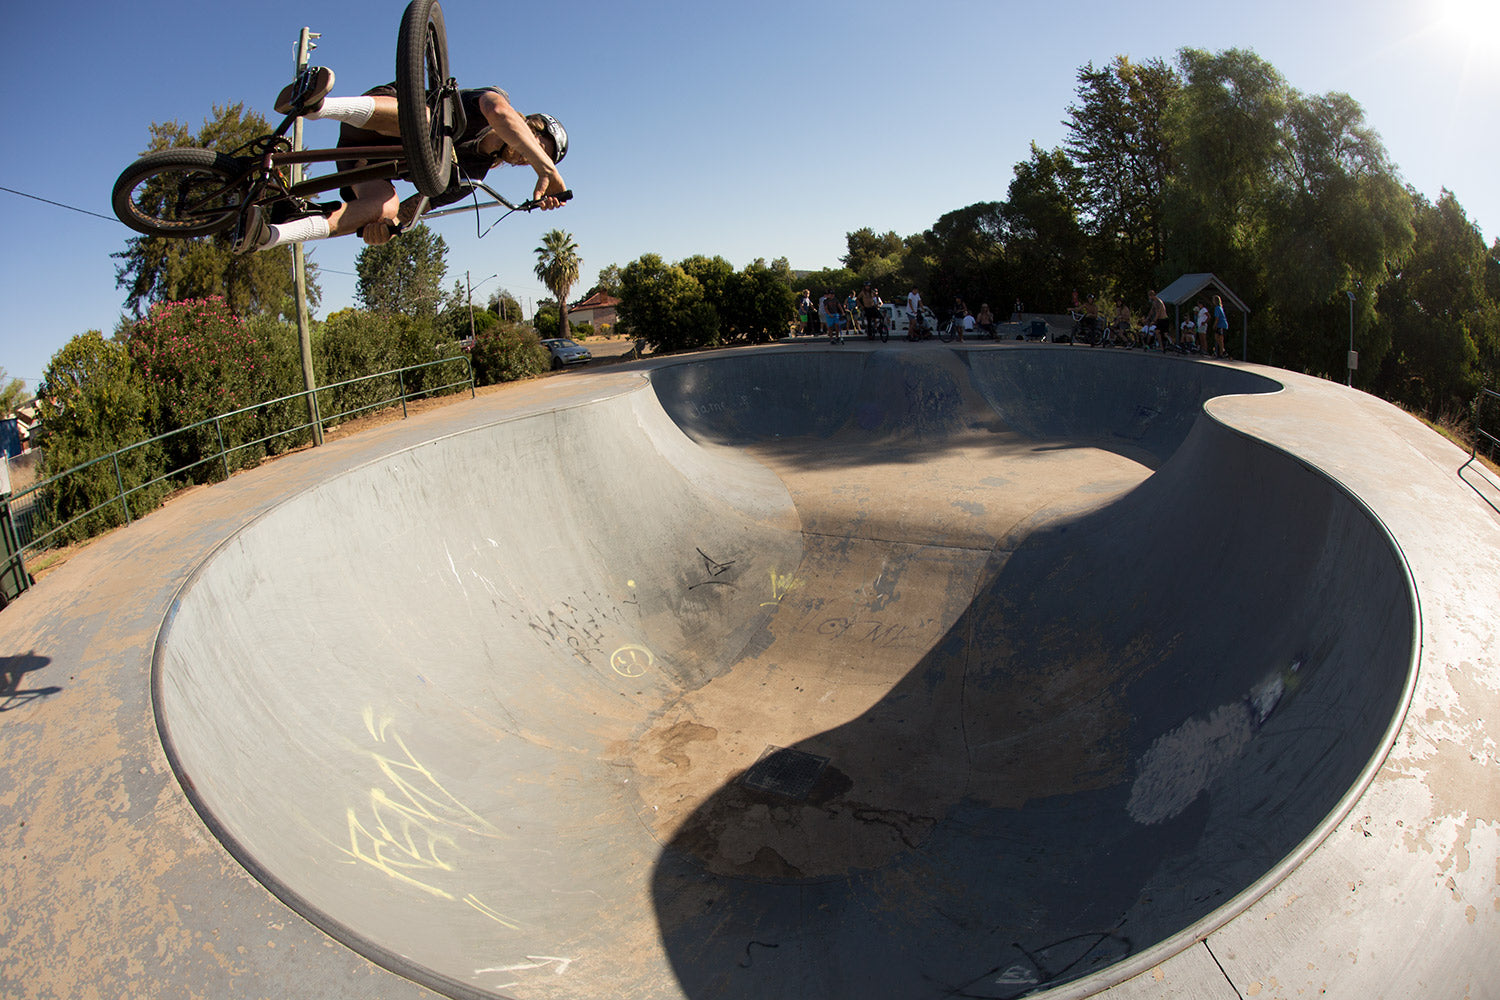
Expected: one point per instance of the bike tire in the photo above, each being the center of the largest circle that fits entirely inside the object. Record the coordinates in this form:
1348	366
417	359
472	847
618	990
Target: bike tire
425	105
181	193
945	333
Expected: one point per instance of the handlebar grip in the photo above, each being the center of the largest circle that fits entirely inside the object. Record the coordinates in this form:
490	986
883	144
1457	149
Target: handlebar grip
527	206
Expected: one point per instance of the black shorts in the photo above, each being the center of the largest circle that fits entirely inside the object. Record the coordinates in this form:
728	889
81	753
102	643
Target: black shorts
475	127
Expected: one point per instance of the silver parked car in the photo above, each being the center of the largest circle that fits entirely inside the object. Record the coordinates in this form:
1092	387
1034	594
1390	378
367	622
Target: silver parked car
566	352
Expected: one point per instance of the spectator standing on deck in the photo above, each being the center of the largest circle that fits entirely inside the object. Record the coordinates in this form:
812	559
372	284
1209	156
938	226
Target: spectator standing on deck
1156	321
1221	326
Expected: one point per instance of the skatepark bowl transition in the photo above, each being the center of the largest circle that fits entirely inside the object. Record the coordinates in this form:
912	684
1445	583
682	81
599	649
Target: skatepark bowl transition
867	672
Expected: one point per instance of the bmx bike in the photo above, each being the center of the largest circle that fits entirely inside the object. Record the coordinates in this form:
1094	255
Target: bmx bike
187	192
877	327
952	330
918	329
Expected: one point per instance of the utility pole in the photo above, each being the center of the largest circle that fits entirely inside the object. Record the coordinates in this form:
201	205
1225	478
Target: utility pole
305	45
469	283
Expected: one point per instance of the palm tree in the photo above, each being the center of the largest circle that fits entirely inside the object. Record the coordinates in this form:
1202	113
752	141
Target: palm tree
557	267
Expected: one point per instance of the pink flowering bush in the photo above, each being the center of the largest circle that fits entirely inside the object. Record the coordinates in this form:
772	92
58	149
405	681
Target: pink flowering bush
200	361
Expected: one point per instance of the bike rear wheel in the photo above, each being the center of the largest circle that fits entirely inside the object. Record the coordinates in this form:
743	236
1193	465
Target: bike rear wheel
427	105
181	193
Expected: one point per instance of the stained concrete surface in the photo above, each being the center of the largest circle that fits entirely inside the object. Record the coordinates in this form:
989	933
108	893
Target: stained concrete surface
1091	671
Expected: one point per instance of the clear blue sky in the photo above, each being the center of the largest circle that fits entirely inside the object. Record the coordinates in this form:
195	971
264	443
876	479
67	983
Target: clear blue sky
696	126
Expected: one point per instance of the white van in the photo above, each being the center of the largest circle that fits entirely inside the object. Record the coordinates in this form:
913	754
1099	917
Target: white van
899	319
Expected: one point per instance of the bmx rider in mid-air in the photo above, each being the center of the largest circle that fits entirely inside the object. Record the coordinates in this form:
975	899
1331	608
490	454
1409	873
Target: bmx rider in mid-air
495	133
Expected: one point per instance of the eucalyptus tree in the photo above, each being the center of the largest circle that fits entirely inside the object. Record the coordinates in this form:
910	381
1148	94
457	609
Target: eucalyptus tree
1117	135
404	276
156	269
1289	198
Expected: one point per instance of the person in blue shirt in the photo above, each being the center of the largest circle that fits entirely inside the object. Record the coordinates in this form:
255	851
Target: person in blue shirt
1221	324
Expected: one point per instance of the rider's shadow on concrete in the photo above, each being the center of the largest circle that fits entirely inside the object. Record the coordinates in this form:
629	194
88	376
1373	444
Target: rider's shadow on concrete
12	670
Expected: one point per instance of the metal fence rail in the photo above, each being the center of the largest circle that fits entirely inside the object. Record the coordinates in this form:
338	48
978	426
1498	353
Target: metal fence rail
20	511
1478	410
1480	432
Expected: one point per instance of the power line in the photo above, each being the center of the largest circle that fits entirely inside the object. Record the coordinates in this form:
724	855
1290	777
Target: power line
71	208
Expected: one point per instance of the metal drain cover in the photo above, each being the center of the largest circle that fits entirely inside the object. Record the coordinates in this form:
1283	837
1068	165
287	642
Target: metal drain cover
791	773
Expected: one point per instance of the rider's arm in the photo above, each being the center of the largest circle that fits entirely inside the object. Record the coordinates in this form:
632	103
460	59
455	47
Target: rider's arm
512	129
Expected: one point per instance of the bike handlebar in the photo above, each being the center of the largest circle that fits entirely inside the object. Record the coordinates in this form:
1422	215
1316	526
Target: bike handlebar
525	206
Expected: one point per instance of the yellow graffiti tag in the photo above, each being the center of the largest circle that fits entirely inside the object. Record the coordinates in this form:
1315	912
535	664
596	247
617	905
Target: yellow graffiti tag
631	661
781	585
410	825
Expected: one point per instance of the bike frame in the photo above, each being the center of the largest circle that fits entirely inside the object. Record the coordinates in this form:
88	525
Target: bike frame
381	163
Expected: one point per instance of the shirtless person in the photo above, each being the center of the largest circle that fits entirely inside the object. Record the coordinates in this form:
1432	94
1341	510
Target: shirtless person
1156	321
495	133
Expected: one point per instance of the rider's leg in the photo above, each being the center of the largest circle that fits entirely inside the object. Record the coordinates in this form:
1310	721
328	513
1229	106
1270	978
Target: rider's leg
373	113
374	201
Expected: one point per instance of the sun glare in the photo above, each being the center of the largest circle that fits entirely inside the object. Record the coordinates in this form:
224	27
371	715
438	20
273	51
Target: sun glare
1470	24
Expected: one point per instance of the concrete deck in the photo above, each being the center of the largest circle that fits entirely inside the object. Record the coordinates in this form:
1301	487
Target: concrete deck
1116	674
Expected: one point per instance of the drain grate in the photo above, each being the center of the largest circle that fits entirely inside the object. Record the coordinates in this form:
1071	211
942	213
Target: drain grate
781	771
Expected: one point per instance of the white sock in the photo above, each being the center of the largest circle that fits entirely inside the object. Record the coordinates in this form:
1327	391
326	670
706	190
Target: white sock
349	110
313	227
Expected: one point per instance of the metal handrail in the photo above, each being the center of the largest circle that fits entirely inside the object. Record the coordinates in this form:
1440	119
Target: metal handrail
1492	439
16	562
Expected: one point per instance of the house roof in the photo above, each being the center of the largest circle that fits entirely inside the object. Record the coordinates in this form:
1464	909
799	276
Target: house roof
1189	285
599	300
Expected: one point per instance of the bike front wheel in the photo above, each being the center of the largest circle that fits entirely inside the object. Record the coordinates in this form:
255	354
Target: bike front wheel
427	106
945	332
181	193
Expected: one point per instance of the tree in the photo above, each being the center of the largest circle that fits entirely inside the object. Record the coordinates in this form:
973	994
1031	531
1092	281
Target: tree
968	256
1300	209
664	304
1337	220
156	269
757	304
608	283
91	401
1438	314
1117	135
867	249
1225	125
505	306
13	394
557	268
713	275
405	275
1044	239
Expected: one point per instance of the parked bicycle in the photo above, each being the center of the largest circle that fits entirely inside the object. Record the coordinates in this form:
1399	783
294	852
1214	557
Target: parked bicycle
186	192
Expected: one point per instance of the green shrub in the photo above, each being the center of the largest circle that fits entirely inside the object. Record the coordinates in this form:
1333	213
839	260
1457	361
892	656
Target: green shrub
92	401
356	344
506	353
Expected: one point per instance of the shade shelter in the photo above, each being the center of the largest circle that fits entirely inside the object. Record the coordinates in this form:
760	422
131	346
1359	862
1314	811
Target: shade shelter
1190	286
